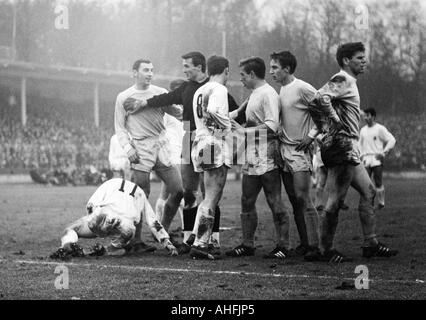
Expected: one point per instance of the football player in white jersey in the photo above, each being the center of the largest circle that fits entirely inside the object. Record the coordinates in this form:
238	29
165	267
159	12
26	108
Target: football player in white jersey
114	210
260	170
336	112
194	67
297	132
210	152
149	148
375	142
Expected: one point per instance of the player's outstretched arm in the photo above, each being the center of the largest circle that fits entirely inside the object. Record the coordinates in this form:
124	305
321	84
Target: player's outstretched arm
241	109
157	228
134	106
77	229
175	111
69	247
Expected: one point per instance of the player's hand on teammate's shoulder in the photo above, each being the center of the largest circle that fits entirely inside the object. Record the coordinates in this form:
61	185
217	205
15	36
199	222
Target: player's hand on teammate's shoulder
131	105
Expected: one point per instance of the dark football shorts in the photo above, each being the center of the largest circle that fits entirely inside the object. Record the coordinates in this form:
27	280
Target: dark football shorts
339	149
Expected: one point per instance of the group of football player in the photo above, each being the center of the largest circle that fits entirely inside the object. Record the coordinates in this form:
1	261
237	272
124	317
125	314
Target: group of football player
191	136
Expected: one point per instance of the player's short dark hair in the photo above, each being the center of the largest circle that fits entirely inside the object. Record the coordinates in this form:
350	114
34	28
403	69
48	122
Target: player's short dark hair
255	64
176	83
138	62
216	65
371	111
285	59
198	59
348	50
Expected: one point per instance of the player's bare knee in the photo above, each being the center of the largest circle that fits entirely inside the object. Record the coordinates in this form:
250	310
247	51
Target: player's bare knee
177	195
369	193
275	203
250	214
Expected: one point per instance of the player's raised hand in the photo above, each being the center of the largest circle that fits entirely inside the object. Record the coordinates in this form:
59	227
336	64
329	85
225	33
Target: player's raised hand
133	156
304	144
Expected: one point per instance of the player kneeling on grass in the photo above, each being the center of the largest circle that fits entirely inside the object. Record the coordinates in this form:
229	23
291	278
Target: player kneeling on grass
114	210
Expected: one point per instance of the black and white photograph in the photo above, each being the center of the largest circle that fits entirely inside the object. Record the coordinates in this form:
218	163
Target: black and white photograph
215	156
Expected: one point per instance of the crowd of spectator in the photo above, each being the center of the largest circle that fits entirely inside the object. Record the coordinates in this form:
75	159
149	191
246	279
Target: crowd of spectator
59	150
53	150
409	153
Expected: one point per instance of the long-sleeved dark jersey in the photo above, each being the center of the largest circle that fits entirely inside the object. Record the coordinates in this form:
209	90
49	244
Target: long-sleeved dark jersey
184	96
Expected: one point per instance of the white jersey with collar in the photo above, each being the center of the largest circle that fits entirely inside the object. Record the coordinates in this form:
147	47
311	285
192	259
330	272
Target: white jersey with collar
374	138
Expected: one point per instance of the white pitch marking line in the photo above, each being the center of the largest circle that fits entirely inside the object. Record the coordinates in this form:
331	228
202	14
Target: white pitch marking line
225	272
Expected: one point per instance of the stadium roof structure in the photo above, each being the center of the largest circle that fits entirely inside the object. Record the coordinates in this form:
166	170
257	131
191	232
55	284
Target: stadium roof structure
65	73
28	70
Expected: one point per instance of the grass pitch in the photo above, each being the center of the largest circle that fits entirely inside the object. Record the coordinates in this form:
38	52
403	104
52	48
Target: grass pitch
32	218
